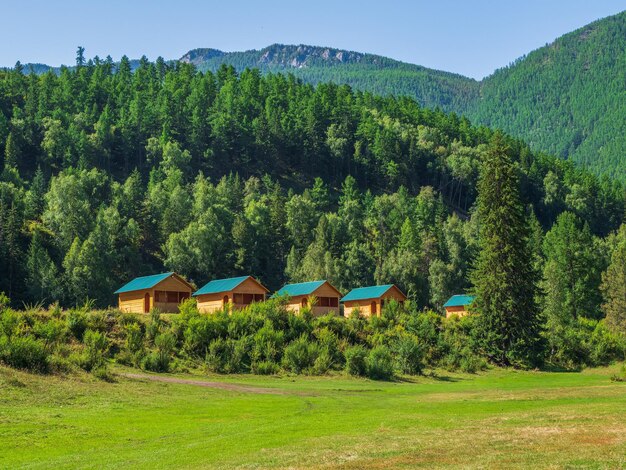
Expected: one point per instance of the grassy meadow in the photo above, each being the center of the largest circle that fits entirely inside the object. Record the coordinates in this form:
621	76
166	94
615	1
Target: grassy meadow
496	419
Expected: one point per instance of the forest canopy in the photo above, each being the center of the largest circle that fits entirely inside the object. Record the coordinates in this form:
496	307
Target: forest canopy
110	173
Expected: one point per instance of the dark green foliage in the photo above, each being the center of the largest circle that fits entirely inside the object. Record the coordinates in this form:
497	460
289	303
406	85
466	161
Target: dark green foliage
160	359
24	352
355	360
96	347
408	355
117	174
580	114
379	364
300	355
507	324
230	356
614	283
578	77
77	323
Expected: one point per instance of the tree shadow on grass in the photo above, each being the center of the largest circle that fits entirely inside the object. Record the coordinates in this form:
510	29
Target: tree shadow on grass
430	375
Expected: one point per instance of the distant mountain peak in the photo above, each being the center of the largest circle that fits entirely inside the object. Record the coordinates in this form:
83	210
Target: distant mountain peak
197	56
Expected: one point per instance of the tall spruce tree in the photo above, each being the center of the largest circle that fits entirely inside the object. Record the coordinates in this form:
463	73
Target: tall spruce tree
614	285
507	322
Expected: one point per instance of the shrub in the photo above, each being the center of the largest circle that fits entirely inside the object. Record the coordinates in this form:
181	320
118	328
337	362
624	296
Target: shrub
323	363
134	337
409	355
620	376
268	344
60	364
427	327
97	320
329	345
51	331
471	363
9	323
355	360
159	360
188	308
155	363
24	352
300	355
379	364
77	323
96	346
4	301
605	346
217	356
103	373
154	325
201	330
264	368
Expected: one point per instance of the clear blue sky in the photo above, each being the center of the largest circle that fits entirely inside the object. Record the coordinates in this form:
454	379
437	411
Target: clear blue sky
471	37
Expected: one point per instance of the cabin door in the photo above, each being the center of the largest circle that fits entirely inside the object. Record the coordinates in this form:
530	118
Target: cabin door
146	303
373	307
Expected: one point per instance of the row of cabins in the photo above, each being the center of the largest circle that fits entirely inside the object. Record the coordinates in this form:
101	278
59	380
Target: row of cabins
166	291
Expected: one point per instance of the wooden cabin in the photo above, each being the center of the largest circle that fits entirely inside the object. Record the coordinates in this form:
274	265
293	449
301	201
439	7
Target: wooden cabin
298	297
458	305
161	291
369	301
236	293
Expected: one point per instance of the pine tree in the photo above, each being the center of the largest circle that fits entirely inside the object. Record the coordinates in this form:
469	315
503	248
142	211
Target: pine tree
614	285
507	321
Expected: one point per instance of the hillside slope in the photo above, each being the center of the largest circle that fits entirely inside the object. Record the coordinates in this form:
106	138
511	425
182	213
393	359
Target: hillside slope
368	72
567	98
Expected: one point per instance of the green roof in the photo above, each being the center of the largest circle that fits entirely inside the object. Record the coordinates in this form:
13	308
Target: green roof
459	300
301	288
220	285
141	283
371	292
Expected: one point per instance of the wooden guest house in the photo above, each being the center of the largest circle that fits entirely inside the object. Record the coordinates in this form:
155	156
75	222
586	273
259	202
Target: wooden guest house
236	292
298	297
161	291
458	305
369	301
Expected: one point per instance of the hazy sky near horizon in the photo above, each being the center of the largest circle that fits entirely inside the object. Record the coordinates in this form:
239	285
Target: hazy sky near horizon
470	37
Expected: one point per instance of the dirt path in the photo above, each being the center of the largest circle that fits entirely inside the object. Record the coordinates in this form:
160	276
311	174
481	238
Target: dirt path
207	384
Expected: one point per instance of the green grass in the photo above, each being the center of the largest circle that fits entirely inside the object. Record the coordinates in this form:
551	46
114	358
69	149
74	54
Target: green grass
498	419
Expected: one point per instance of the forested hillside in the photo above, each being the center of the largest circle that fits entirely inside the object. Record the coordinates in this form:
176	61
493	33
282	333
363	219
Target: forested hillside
367	72
109	174
566	98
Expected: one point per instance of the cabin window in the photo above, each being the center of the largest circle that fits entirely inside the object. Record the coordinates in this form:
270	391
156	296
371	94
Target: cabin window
170	297
225	299
328	302
304	302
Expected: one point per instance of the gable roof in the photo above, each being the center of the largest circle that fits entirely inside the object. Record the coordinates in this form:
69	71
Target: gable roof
148	282
370	292
459	300
225	285
302	288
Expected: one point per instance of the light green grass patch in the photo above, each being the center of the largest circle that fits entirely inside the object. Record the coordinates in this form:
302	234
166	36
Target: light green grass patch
500	418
